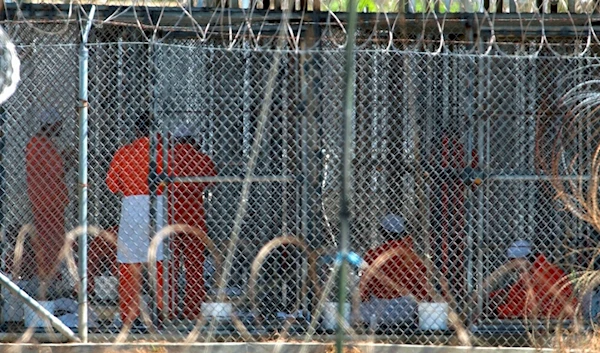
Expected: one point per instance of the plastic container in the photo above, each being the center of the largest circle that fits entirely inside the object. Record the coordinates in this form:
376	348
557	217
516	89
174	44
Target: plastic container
330	311
106	288
219	311
32	319
433	316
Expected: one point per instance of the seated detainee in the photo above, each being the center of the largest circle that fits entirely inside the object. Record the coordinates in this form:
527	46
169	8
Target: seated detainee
539	289
405	271
395	279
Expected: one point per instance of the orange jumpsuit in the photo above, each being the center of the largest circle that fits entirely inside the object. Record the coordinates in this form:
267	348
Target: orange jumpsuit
48	195
550	294
128	174
187	208
411	275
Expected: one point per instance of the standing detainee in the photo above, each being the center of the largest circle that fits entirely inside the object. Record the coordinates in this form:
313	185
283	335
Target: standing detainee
188	208
48	194
128	177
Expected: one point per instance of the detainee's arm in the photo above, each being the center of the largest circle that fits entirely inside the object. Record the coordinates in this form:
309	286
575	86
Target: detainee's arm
519	265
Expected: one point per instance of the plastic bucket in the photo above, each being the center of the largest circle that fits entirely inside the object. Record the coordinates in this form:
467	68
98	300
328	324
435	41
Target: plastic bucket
433	316
106	288
219	311
34	320
330	312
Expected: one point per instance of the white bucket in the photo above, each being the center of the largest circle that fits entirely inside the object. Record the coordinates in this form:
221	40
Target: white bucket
433	316
106	287
219	311
32	319
330	312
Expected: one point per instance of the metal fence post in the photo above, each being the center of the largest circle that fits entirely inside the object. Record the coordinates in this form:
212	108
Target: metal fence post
83	177
154	179
3	246
346	173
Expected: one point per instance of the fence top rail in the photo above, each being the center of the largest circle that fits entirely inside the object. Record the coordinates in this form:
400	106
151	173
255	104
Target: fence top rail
174	19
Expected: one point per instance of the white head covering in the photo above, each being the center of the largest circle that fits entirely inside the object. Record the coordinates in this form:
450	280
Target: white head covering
519	249
183	130
49	117
393	223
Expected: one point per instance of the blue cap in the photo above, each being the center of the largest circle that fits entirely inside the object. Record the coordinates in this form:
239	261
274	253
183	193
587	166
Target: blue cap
519	249
393	223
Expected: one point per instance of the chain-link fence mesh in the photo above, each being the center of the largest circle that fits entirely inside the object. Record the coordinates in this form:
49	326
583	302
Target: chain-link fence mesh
454	190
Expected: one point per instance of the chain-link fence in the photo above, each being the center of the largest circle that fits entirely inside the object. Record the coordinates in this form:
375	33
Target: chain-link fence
454	211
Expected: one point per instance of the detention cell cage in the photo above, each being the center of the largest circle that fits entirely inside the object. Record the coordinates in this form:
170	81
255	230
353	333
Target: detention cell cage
469	150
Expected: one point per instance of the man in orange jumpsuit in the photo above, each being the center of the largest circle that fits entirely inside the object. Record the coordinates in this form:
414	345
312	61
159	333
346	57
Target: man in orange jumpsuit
542	290
188	208
407	271
398	283
48	194
128	177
